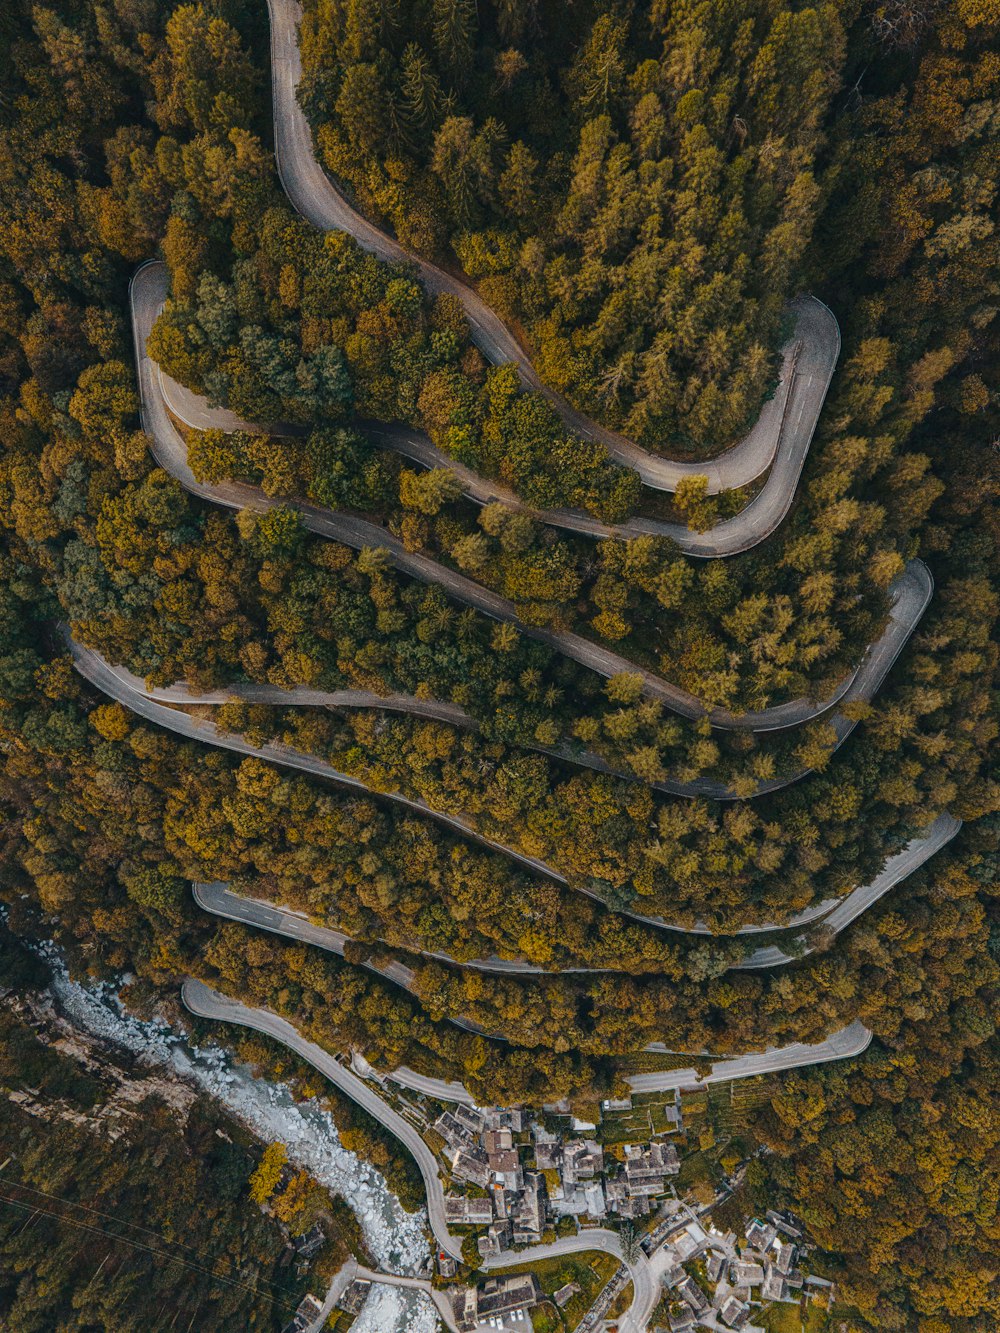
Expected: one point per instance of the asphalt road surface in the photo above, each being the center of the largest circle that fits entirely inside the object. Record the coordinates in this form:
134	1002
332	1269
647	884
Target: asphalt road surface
94	668
119	684
148	292
220	900
207	1003
915	854
779	439
645	1272
217	899
838	913
840	1045
116	683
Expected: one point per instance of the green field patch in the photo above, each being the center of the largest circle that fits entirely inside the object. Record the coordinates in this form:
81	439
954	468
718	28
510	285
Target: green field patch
591	1271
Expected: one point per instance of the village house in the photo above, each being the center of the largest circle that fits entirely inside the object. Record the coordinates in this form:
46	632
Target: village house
784	1258
497	1140
470	1118
623	1203
548	1148
505	1167
565	1294
646	1168
498	1239
306	1315
742	1274
528	1213
472	1165
498	1297
354	1296
505	1117
582	1161
594	1197
462	1212
454	1133
760	1235
309	1244
786	1224
773	1288
673	1275
548	1156
734	1313
715	1266
690	1292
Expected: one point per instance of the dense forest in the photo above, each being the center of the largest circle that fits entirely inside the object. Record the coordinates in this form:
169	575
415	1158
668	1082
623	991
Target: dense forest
116	1210
634	184
638	191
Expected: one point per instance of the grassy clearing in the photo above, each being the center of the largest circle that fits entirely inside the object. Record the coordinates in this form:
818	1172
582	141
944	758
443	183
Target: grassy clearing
809	1316
731	1104
625	1126
622	1301
780	1319
339	1322
591	1271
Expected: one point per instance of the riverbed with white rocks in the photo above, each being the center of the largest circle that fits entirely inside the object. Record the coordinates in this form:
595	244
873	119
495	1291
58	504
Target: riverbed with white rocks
398	1240
396	1310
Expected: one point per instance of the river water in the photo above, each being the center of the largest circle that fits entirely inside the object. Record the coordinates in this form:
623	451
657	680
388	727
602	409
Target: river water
398	1240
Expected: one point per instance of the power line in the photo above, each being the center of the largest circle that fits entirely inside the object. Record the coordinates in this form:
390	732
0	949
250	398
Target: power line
37	1211
72	1203
137	1245
109	1217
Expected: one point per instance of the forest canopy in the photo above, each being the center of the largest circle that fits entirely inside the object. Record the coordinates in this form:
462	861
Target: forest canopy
638	192
637	184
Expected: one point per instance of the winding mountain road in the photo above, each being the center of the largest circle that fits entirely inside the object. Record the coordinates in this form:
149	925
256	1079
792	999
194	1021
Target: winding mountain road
207	1003
645	1271
842	1045
899	867
216	897
277	696
94	668
117	684
781	436
220	900
910	592
778	445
